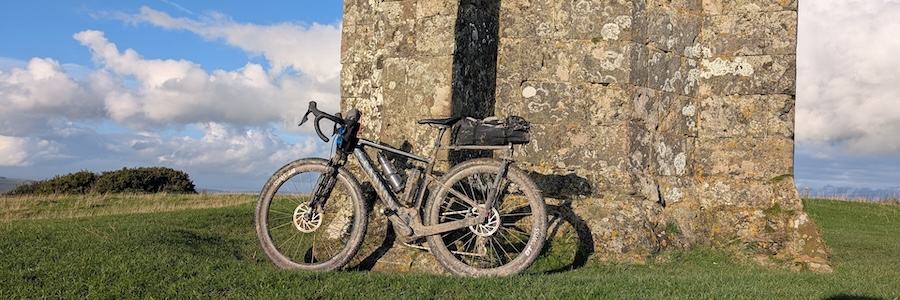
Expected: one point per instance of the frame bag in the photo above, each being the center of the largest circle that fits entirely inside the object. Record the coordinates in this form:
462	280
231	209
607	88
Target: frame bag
491	131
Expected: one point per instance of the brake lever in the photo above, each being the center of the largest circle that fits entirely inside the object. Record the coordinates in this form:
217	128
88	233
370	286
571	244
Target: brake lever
337	126
305	118
309	110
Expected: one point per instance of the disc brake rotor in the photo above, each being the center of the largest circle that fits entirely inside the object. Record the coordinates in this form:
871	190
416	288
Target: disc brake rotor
490	225
306	221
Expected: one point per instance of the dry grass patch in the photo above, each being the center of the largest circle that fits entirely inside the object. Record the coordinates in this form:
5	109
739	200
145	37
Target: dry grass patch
73	206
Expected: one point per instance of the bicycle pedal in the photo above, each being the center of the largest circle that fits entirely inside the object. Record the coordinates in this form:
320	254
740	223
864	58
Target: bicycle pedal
418	243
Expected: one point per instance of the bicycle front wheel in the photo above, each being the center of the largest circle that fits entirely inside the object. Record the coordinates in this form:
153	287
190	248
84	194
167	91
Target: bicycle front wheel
511	237
295	235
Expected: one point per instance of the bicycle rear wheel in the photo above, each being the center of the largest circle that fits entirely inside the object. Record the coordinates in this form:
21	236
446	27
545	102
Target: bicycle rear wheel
513	234
296	236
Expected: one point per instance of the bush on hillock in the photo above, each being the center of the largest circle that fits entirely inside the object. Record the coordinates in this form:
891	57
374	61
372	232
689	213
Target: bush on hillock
73	183
142	180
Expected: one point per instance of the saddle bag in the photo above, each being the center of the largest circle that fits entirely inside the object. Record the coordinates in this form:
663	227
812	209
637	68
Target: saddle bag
491	131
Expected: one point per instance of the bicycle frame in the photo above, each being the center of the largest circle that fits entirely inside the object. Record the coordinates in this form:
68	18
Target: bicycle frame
407	218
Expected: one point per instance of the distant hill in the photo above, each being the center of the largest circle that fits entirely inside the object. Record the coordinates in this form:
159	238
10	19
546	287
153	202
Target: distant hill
841	192
8	184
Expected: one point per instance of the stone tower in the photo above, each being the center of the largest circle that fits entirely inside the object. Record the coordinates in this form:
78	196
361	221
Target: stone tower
657	124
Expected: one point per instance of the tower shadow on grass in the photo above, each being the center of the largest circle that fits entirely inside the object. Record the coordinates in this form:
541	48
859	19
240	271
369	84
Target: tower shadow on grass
570	242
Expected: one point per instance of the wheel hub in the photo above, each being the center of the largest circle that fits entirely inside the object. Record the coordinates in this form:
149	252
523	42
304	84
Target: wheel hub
489	227
305	220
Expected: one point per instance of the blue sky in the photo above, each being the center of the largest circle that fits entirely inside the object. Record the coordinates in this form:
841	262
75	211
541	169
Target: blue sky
215	88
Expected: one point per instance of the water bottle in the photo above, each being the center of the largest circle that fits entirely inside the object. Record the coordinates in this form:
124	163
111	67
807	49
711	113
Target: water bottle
390	173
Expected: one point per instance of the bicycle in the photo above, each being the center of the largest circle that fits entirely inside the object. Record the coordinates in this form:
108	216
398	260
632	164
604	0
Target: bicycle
482	217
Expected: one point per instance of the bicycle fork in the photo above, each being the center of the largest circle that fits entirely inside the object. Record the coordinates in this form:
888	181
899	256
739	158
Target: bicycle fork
324	185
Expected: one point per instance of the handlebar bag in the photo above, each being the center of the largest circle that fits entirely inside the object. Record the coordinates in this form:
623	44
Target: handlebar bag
491	131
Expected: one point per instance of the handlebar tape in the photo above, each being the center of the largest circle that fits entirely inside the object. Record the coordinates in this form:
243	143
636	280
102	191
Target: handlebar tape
318	116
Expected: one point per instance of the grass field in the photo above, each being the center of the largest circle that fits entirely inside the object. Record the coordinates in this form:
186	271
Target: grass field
186	252
72	206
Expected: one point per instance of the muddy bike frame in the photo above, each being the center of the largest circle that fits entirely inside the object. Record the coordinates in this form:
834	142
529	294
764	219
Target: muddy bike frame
407	219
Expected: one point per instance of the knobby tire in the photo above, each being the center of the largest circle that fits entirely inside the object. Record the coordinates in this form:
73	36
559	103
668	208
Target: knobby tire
321	242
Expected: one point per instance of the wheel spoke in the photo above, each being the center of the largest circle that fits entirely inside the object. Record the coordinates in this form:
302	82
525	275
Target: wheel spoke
497	248
465	198
455	213
282	225
518	241
521	214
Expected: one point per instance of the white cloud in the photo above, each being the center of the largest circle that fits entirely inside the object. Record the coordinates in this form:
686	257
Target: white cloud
180	92
848	70
312	50
222	147
17	151
42	91
178	7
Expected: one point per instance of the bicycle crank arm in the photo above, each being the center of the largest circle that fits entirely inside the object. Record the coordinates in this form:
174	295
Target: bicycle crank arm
402	226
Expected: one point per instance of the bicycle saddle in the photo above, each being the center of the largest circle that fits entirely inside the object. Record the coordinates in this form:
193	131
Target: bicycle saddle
445	121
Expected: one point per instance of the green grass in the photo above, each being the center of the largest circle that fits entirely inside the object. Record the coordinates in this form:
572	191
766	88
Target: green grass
71	206
212	253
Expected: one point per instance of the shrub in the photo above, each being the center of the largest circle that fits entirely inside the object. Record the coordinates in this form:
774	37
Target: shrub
73	183
137	180
144	180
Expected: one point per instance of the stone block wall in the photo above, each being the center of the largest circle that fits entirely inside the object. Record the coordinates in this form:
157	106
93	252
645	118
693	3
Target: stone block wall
658	124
